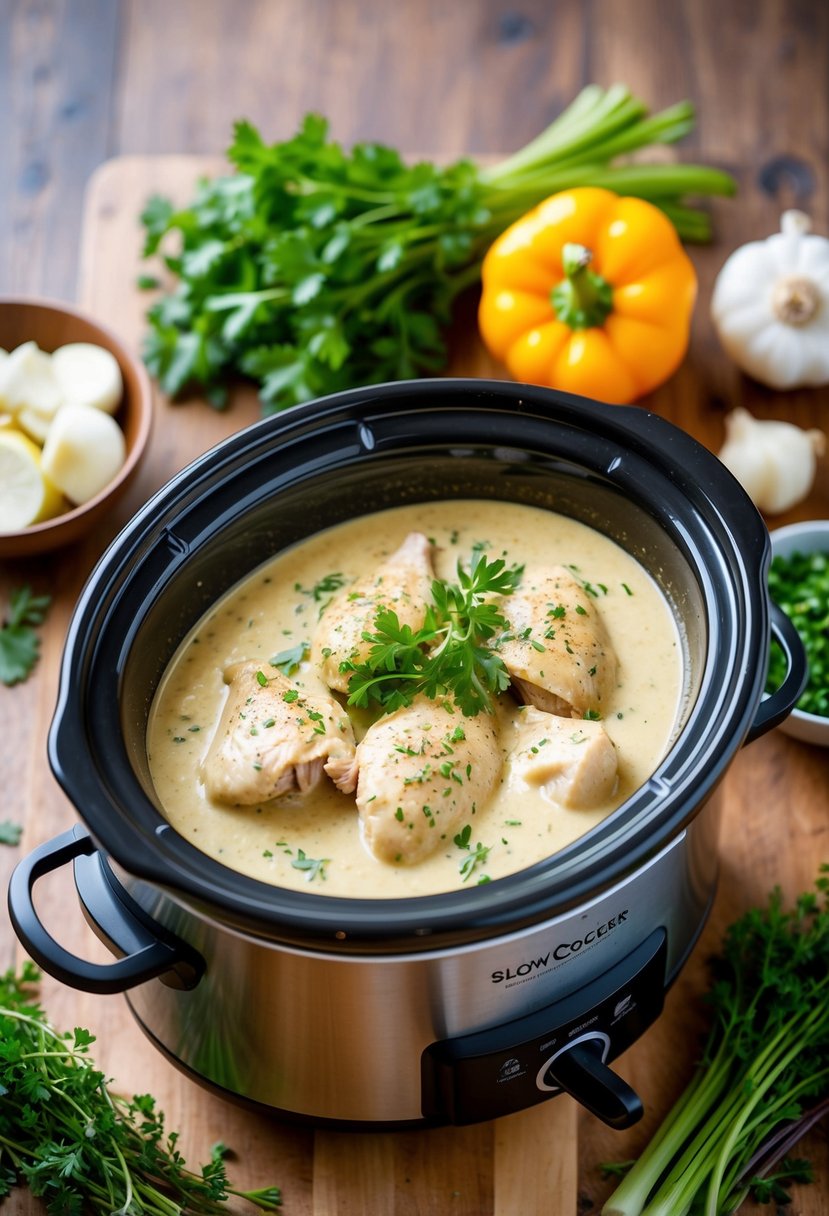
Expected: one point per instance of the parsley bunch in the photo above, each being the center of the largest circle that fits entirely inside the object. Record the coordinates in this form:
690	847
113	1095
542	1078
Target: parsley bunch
448	655
77	1144
313	270
764	1076
19	644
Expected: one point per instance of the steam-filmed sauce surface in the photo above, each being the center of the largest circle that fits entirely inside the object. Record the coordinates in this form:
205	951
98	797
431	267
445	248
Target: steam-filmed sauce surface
276	610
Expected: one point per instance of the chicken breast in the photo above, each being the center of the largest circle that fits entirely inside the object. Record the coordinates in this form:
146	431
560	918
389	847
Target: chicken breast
403	582
557	650
420	773
572	763
273	737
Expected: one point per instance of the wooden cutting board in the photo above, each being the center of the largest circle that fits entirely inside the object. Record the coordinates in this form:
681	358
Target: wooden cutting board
776	820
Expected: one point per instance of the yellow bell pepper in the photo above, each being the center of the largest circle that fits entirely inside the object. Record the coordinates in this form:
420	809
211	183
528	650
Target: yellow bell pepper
589	293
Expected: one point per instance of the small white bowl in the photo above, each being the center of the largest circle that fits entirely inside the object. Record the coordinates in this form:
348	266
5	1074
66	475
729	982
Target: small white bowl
811	536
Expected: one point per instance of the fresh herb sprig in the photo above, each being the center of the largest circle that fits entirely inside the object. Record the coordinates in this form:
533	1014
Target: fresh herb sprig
19	643
764	1066
313	270
76	1143
448	656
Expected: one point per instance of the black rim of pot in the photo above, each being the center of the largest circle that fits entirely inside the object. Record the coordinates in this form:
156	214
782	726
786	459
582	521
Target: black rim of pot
699	504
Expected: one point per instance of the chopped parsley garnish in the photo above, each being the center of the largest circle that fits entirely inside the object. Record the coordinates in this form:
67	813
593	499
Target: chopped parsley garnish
594	589
448	656
312	866
288	661
475	857
326	586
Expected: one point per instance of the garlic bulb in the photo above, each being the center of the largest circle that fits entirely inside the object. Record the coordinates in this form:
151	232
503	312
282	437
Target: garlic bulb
770	306
774	461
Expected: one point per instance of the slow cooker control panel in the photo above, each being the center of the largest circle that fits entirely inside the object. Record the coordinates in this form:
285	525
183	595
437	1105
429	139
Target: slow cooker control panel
565	1046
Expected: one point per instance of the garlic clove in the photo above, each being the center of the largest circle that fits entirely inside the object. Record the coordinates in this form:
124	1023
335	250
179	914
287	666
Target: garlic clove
795	460
745	456
775	461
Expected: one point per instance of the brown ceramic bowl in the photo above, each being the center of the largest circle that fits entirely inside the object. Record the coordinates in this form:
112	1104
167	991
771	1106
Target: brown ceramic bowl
52	324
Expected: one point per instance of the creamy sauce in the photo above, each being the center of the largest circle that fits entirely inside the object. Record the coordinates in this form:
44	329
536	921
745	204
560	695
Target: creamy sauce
276	609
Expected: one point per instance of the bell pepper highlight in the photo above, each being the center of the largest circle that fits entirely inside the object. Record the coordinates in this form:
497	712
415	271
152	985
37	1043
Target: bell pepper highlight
590	293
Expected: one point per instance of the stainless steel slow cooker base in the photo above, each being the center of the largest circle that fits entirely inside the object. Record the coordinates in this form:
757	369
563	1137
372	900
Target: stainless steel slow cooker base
288	1029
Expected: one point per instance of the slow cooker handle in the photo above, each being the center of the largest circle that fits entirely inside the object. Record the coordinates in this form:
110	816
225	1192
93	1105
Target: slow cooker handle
154	953
774	708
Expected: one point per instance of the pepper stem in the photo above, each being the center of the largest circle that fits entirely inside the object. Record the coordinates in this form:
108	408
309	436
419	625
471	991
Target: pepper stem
583	299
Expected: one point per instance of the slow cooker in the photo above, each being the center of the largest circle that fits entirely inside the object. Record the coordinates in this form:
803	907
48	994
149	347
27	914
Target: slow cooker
450	1008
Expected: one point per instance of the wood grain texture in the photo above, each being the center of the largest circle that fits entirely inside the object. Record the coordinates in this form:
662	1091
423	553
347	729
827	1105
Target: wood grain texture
56	62
81	80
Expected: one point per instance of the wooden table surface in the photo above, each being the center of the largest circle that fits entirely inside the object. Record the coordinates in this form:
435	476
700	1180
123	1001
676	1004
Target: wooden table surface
82	81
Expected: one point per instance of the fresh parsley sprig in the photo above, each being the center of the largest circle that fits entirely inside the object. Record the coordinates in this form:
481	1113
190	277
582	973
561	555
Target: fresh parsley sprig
448	656
80	1146
19	644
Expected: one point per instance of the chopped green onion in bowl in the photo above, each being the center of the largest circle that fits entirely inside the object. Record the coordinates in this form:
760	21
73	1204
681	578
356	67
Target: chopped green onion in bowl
799	584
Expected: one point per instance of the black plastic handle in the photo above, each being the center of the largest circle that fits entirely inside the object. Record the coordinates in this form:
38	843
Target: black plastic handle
152	951
776	707
582	1072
